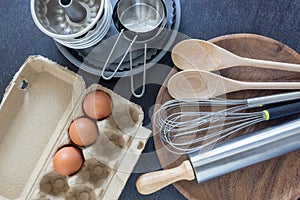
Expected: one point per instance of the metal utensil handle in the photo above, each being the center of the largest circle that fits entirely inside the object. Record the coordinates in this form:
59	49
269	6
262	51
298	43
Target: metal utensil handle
122	60
144	74
266	100
246	150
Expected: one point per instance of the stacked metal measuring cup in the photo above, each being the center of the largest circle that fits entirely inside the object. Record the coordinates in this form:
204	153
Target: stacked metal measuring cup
77	24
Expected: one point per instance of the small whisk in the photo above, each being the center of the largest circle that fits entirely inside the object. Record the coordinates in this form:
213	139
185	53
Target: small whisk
184	127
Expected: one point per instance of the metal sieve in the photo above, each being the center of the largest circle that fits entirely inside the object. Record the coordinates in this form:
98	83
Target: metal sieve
139	21
142	18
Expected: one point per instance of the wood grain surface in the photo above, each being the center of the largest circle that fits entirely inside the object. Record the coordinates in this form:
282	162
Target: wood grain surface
278	178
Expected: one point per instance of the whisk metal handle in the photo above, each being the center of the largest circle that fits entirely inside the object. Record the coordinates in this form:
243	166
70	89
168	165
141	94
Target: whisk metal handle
282	111
276	98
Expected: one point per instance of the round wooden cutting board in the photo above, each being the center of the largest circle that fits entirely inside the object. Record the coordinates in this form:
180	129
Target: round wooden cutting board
278	178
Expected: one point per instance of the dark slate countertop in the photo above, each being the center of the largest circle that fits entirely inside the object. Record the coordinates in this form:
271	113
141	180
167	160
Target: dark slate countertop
204	19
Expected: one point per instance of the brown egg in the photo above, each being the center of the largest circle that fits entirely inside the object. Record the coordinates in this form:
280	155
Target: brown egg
83	131
67	160
97	105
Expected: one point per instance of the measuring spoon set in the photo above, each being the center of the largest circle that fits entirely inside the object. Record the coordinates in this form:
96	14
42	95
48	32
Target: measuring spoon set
197	58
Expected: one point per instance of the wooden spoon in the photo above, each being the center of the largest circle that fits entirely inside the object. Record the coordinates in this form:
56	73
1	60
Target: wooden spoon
203	55
203	84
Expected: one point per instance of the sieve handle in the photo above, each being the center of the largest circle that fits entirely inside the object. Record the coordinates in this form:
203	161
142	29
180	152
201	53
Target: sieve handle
282	111
122	60
110	54
266	100
154	181
144	74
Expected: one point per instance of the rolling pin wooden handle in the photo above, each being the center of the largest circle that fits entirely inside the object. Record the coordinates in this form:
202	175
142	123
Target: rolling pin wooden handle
154	181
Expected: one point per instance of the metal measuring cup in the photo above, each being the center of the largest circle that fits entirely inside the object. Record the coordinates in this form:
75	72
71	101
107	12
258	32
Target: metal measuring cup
139	21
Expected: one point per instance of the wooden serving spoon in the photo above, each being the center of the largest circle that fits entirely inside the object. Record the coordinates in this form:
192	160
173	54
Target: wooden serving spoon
203	84
203	55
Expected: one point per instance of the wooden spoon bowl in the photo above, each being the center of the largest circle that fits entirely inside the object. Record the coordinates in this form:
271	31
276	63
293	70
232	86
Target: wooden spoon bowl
203	84
204	55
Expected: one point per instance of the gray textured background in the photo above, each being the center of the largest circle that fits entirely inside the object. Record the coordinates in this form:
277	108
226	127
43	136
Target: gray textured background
205	19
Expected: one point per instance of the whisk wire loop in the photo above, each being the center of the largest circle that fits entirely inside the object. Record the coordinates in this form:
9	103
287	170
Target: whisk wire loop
184	131
185	126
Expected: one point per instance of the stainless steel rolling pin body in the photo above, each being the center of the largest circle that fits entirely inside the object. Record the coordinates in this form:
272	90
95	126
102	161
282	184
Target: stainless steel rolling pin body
228	156
246	150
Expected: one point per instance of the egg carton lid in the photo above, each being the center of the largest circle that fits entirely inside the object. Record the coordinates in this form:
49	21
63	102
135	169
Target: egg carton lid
34	110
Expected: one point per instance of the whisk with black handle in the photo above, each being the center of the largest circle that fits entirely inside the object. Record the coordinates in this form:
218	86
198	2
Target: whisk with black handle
183	132
187	108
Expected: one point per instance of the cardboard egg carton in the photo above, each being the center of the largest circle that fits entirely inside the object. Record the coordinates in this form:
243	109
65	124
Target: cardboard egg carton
36	111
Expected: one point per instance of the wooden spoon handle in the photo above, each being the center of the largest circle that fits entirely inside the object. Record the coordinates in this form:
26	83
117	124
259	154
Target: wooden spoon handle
154	181
270	64
270	85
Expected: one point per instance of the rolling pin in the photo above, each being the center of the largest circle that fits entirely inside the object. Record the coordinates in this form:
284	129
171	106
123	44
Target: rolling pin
227	156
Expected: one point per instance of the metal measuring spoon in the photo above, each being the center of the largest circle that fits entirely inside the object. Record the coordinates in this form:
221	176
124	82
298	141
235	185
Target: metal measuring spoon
203	84
203	55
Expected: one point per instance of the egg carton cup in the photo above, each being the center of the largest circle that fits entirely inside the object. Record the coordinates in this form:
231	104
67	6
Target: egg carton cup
35	114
